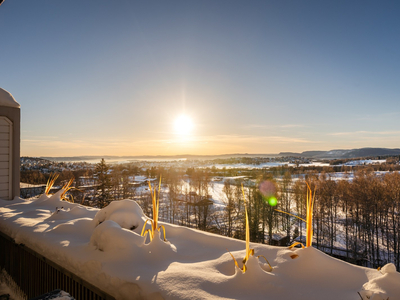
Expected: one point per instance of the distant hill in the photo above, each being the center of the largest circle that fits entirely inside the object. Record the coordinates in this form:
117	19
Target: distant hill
331	154
154	157
309	154
343	154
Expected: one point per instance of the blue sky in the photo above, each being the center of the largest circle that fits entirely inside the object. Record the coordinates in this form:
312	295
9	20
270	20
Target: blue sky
110	77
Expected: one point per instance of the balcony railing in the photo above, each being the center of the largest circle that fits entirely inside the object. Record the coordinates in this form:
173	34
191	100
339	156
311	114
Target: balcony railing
37	275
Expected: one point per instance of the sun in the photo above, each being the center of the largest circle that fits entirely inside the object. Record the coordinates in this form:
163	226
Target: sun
183	125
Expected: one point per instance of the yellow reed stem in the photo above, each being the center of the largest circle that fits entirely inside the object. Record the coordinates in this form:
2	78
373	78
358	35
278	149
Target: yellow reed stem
66	188
309	217
310	209
249	252
284	212
155	198
295	244
50	182
159	229
247	230
266	261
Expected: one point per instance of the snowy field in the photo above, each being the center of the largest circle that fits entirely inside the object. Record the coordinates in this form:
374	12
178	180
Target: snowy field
266	165
215	190
365	162
191	265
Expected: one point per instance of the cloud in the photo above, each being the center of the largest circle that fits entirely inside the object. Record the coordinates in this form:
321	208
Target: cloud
251	139
207	144
346	133
350	133
293	126
255	126
378	116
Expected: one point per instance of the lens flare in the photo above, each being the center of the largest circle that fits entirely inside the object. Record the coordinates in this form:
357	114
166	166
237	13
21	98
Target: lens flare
272	201
268	190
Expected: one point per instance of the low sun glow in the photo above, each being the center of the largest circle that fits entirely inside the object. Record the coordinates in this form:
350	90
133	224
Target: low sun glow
183	125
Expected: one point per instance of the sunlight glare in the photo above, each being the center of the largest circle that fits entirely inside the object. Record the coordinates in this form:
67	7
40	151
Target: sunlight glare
183	125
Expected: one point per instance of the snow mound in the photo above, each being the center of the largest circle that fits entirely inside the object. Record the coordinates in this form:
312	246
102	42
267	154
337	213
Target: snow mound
191	264
388	268
6	99
54	201
109	236
158	248
388	284
126	213
254	270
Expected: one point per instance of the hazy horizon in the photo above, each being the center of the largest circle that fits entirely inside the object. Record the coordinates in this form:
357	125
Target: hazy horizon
185	155
116	77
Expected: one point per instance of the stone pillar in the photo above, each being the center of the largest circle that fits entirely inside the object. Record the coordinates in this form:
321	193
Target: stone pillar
10	134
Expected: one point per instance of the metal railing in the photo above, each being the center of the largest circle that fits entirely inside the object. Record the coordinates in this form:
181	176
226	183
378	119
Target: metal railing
37	275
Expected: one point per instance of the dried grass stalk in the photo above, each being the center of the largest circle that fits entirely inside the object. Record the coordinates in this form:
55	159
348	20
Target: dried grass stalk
155	197
248	250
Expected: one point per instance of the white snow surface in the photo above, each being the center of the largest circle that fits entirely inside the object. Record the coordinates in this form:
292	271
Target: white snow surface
365	162
105	248
264	165
6	99
9	287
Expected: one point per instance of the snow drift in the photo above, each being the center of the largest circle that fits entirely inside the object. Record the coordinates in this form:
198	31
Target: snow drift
191	265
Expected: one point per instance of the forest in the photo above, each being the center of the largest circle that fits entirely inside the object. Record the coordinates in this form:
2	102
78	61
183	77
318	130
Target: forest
355	219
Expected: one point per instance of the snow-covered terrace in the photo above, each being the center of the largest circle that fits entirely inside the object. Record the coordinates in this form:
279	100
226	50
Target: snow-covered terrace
105	248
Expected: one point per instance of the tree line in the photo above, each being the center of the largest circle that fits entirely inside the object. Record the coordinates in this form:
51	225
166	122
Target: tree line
355	218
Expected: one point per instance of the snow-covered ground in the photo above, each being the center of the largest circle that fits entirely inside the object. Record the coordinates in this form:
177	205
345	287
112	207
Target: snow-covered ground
350	175
191	265
215	190
365	162
264	165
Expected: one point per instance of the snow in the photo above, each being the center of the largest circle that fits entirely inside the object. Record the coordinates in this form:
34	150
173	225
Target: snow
215	190
6	99
266	165
143	179
23	185
365	162
9	287
191	264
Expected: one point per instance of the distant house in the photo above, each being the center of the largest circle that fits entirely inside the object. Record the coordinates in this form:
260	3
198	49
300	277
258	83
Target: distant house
280	240
142	180
203	202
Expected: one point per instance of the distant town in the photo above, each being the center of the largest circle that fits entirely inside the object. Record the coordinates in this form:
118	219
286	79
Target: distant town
35	171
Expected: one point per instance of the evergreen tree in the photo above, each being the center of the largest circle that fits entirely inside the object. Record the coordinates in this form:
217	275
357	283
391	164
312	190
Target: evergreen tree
104	184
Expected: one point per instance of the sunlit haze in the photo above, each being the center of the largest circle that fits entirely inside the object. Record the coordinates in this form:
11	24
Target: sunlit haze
183	125
114	77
